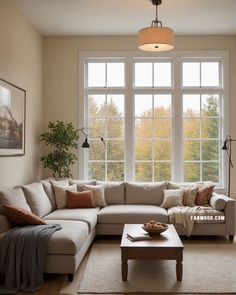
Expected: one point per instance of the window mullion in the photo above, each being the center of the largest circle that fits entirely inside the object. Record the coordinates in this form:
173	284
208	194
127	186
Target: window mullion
153	139
129	121
201	137
106	122
177	124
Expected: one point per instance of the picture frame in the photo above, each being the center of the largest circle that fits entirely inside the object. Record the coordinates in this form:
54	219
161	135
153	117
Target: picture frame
12	119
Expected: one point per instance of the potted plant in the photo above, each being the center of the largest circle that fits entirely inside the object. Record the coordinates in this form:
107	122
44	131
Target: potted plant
63	139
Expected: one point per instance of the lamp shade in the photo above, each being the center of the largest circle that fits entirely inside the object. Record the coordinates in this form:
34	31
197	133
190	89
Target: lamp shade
224	146
156	39
86	144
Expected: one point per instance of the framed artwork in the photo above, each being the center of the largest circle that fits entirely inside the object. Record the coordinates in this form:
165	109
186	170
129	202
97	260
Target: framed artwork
12	119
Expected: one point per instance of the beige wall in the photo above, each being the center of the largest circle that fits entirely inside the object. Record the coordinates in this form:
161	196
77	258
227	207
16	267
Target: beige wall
21	64
61	72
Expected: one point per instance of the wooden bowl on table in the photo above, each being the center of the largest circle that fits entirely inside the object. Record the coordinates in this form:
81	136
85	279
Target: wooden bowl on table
154	227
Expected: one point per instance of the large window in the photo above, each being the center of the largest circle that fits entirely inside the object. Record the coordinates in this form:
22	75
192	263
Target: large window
202	125
105	118
162	118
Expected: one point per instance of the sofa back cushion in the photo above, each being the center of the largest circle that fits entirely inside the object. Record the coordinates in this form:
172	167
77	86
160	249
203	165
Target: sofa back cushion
173	185
114	192
14	197
49	191
62	182
80	183
37	199
145	193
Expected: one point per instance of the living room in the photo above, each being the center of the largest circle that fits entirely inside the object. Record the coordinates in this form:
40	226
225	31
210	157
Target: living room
72	61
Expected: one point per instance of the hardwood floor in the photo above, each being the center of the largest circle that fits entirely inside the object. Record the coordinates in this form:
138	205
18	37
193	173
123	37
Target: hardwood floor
58	284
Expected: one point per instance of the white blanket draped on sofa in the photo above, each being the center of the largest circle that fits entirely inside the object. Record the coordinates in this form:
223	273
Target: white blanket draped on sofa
186	216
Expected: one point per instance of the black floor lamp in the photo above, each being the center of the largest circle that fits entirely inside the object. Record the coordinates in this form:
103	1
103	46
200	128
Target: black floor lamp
227	147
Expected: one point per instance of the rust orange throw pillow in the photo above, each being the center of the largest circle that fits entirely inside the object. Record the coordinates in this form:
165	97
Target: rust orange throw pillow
19	216
204	194
80	199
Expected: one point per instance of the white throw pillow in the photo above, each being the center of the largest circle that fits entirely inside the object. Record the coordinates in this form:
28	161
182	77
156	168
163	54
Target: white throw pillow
98	194
60	194
172	198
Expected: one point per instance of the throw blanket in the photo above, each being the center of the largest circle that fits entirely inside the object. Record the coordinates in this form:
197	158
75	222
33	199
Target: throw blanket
184	216
22	254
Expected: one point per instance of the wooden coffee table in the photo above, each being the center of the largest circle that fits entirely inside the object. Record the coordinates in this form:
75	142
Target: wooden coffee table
166	246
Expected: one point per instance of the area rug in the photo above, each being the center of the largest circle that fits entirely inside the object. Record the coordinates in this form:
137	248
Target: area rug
209	268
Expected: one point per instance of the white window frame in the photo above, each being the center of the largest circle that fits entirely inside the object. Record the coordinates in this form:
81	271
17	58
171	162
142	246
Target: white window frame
176	90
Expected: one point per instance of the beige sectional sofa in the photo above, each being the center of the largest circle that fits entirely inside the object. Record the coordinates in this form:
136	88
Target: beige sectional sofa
127	202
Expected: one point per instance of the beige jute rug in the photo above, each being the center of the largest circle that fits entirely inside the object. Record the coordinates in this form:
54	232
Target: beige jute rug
207	268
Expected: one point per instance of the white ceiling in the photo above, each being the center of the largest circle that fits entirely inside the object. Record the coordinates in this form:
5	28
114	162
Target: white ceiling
126	17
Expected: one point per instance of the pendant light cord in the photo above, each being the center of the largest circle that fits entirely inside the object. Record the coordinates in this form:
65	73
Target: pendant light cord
156	22
156	12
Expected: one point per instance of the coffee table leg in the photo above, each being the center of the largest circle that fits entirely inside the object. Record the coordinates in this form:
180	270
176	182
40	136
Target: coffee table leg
124	265
179	265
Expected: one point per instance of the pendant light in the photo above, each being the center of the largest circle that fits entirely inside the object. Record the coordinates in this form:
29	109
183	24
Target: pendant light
156	37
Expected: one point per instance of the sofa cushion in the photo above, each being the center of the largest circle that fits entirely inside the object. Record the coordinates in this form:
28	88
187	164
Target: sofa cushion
204	193
98	194
114	192
131	214
49	191
19	216
62	182
14	197
60	194
4	224
88	215
70	239
173	185
210	215
37	199
218	201
80	183
172	198
189	197
145	193
80	200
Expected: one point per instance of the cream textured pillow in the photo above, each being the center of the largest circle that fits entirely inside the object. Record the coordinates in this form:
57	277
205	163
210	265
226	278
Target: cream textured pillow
37	199
189	196
60	194
172	198
14	197
98	194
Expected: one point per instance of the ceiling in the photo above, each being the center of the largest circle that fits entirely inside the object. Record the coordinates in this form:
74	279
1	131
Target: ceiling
126	17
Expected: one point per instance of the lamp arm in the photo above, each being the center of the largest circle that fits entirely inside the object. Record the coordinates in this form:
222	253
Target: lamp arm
87	134
82	131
